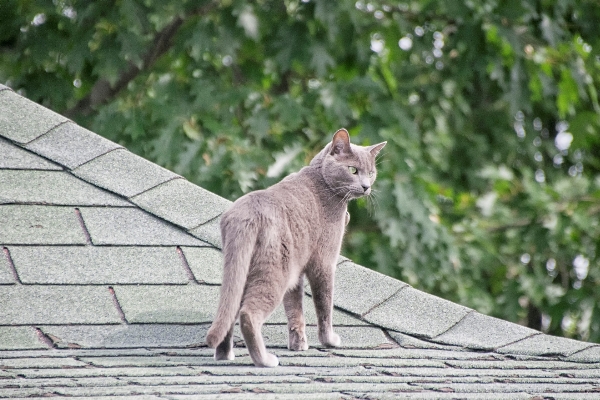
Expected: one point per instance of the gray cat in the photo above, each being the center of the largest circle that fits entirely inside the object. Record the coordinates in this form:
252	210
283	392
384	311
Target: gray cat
272	238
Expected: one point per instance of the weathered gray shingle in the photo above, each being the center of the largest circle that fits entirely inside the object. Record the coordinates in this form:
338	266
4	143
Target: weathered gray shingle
413	312
129	227
53	188
588	355
71	145
209	232
205	263
182	203
168	304
126	336
93	265
22	120
31	305
544	345
19	338
27	224
350	281
6	272
13	157
477	331
123	173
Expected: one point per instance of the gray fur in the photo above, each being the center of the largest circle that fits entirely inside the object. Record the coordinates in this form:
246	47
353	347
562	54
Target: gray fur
273	238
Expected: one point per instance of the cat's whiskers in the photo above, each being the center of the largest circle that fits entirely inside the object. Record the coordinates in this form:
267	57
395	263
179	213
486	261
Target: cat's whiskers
331	194
372	202
343	200
379	161
346	198
335	192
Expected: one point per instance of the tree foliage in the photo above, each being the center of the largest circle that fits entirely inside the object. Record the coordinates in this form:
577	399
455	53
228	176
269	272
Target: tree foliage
488	191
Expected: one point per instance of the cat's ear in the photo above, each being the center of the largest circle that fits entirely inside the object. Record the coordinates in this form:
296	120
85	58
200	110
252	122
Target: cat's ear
341	142
376	148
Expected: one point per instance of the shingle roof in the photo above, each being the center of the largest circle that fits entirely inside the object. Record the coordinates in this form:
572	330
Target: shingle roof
110	274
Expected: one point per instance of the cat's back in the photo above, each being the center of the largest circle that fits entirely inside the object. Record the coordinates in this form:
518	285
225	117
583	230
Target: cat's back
292	197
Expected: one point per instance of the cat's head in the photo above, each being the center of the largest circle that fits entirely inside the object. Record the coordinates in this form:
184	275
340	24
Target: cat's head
349	170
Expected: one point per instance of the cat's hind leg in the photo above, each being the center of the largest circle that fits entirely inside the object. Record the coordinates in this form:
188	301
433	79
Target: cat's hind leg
292	302
224	350
261	296
320	276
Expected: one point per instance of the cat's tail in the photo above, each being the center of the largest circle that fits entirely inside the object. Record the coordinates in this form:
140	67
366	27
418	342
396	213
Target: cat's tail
238	246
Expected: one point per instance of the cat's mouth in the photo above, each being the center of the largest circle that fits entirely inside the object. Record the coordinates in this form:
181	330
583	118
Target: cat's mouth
358	193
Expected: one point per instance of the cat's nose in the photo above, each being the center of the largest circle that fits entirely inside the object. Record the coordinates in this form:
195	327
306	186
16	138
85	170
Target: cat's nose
366	188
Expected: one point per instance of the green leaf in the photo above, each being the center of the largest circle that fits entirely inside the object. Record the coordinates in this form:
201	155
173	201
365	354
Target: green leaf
567	97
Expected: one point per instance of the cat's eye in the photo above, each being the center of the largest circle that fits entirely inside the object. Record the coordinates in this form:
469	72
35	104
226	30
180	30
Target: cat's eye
371	174
353	170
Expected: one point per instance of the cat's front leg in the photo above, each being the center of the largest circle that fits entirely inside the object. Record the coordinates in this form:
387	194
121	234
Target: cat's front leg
320	278
292	302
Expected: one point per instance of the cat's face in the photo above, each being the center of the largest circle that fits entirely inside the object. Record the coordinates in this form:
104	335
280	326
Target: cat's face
348	169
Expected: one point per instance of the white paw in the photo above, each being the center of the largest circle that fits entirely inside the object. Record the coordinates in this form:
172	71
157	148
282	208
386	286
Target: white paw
269	361
297	342
332	339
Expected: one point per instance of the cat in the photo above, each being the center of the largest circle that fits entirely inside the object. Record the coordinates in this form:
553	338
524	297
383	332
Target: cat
272	238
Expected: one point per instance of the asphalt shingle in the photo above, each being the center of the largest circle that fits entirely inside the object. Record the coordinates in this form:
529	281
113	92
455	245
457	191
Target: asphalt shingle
71	145
128	227
418	354
478	331
350	281
19	338
54	188
205	263
23	120
39	225
6	272
126	336
511	364
370	362
168	304
414	312
588	355
544	345
123	173
209	232
182	203
411	342
92	265
82	373
28	305
40	362
13	157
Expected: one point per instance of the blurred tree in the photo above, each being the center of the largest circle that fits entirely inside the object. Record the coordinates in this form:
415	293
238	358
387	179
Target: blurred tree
489	189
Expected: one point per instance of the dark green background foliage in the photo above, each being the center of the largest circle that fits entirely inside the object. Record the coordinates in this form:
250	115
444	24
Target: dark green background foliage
488	191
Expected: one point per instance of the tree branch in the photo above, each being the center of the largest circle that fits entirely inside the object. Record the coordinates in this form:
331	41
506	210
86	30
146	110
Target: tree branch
102	92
